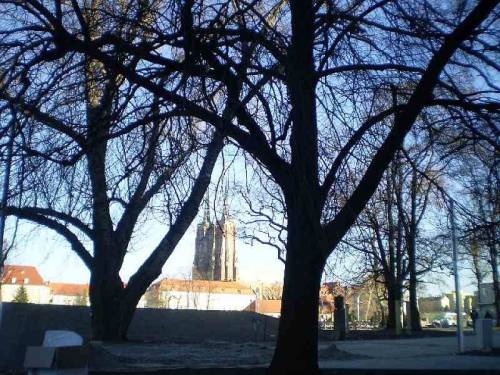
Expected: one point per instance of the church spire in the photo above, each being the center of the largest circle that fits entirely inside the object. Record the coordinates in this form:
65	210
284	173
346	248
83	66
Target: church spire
206	213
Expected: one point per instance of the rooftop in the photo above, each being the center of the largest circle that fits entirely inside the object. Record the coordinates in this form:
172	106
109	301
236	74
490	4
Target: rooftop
65	289
15	274
209	286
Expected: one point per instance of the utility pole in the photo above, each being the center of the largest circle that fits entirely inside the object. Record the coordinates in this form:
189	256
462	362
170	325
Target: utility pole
458	307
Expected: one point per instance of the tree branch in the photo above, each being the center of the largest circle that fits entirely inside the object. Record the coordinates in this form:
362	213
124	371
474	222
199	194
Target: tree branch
336	229
36	216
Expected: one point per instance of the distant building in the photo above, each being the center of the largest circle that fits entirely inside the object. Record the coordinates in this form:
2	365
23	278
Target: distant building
434	304
432	308
199	295
265	307
467	300
469	303
38	290
69	294
14	277
215	253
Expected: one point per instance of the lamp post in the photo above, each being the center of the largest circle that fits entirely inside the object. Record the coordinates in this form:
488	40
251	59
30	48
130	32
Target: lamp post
458	307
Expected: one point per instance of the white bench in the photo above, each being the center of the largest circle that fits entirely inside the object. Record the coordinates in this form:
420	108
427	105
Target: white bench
62	353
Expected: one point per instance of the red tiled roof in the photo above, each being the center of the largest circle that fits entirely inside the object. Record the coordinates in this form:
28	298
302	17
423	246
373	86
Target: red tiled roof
13	274
210	286
63	289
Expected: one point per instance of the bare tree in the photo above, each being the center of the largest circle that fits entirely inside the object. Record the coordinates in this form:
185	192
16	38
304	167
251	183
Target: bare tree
470	145
397	252
475	254
268	291
412	206
94	155
299	80
380	236
6	150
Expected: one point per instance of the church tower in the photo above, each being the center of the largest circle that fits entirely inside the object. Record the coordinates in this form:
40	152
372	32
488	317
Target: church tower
203	256
215	253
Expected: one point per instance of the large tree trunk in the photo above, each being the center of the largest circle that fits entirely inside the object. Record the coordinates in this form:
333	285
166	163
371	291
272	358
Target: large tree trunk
111	312
391	306
411	230
105	300
393	295
415	324
297	345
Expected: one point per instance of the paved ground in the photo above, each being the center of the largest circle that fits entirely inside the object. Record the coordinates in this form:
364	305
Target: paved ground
263	371
418	354
411	354
154	356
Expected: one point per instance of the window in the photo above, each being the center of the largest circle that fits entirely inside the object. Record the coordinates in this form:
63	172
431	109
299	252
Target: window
26	280
14	280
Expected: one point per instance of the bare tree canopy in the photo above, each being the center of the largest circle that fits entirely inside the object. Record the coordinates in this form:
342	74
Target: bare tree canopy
307	88
478	176
94	157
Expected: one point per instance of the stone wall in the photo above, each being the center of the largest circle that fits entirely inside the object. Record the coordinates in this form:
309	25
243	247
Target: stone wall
25	324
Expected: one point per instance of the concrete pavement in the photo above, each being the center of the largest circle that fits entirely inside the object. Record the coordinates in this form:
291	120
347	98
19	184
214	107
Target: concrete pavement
438	353
417	354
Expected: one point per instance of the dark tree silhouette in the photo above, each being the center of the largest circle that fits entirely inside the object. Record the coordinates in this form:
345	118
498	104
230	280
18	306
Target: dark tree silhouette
479	177
388	231
300	80
93	156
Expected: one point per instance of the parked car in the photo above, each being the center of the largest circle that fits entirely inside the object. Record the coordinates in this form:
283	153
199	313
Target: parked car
436	323
448	319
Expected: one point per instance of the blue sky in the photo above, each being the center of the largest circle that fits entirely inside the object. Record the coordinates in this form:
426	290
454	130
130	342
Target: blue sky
54	259
56	262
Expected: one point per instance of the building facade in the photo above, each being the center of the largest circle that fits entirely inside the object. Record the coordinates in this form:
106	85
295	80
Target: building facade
466	303
199	295
16	277
70	294
437	304
39	291
215	252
